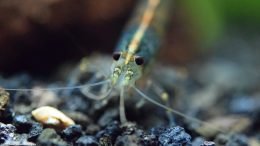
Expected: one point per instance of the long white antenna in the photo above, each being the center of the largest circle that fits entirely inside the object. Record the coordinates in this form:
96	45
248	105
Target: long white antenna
177	112
97	97
58	88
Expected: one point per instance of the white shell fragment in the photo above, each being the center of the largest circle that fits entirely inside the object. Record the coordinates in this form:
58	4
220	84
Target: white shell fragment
51	116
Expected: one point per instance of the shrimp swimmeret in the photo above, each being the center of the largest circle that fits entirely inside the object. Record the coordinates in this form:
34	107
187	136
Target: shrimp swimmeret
135	51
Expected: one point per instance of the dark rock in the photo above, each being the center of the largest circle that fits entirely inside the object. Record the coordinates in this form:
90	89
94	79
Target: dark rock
129	128
130	135
50	137
149	140
18	139
6	132
110	133
87	140
35	131
175	136
72	132
7	115
126	140
106	141
22	123
157	131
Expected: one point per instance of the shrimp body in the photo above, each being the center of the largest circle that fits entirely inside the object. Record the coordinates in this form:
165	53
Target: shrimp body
140	42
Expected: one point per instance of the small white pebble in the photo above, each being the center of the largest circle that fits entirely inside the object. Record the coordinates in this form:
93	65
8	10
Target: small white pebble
51	116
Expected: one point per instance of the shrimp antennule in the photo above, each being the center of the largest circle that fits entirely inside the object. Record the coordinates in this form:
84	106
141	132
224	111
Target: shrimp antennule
122	107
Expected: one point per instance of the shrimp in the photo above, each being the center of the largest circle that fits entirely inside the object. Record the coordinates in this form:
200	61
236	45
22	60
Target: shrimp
135	51
137	48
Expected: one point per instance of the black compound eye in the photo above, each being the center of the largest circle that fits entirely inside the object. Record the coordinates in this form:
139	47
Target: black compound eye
116	55
139	60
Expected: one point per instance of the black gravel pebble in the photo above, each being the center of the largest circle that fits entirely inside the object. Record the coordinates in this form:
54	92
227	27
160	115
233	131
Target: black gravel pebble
129	136
127	140
22	123
175	136
149	140
6	132
49	137
129	128
72	132
7	115
35	131
110	133
87	140
157	131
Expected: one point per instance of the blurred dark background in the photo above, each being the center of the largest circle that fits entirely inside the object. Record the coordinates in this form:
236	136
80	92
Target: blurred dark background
38	36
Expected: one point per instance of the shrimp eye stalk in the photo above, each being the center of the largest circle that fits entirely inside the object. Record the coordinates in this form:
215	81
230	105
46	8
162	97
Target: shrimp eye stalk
139	60
116	56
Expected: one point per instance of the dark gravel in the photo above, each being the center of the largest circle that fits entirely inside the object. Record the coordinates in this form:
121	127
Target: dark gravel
6	132
50	137
22	123
35	130
72	132
174	136
87	140
109	133
97	122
